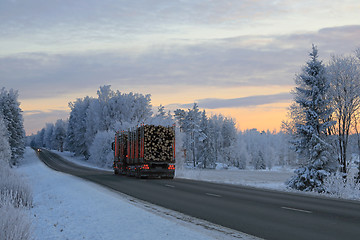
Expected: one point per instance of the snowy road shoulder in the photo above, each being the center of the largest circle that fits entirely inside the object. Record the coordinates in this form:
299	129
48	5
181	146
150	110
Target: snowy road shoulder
66	207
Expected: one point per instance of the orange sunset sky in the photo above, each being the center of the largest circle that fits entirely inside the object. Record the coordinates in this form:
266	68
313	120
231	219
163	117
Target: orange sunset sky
237	58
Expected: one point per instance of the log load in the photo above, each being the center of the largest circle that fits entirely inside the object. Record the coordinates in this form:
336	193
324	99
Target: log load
158	143
144	151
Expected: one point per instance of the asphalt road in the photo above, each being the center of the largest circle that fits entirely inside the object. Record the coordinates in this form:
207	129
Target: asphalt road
262	213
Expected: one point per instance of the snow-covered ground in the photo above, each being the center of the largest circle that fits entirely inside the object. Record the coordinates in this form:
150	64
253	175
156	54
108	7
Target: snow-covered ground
270	179
66	207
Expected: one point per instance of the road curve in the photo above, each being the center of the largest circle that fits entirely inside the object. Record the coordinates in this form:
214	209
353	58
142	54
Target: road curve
262	213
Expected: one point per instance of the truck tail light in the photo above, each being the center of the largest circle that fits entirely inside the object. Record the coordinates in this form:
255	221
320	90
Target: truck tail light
171	167
145	166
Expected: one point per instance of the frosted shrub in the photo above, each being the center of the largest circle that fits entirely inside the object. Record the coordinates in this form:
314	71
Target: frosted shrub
14	223
101	153
13	189
347	188
15	198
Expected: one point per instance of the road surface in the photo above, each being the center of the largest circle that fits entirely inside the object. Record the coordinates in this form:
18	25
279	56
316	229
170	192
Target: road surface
262	213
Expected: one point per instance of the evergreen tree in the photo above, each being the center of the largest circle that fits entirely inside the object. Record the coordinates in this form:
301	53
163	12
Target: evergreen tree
205	149
311	113
10	109
161	118
259	161
48	136
228	132
76	138
190	123
59	135
243	154
39	138
5	151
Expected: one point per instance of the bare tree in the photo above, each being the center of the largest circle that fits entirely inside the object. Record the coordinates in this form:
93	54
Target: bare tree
344	76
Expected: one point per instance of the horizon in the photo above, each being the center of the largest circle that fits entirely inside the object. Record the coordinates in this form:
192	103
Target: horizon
237	58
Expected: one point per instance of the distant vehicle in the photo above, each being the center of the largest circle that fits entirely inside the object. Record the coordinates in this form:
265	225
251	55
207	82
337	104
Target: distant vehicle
146	151
38	150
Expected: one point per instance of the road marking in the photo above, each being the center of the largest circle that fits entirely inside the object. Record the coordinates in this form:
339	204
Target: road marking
213	195
297	210
167	185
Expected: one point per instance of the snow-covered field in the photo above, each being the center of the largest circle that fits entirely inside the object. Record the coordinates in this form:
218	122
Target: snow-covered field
274	179
66	207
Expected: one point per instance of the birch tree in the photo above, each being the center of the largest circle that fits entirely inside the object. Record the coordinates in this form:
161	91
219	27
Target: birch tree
344	77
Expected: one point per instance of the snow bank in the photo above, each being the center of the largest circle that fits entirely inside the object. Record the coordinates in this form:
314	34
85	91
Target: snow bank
66	207
15	201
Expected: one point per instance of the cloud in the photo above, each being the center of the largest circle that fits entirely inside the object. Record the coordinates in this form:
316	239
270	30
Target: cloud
89	24
129	15
230	62
214	103
35	120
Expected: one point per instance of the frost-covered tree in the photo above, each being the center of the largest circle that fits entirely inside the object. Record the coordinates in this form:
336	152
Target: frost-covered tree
161	117
108	111
101	153
131	108
229	138
312	121
5	151
10	109
190	123
48	135
76	132
244	156
259	160
216	137
59	135
253	139
39	138
344	77
93	120
207	140
205	151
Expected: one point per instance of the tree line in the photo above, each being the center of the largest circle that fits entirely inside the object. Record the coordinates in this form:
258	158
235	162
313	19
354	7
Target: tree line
202	141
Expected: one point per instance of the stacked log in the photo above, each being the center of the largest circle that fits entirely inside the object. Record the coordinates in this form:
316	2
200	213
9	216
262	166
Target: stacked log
148	143
158	143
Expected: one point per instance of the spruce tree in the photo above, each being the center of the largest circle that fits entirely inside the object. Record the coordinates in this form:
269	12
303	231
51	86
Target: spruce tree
5	151
311	113
13	120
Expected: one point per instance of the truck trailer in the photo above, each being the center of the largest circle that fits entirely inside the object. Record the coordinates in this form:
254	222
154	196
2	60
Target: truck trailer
145	151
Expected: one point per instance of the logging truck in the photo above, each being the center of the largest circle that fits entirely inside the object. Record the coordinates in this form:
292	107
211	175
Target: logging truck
145	151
